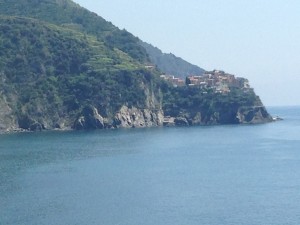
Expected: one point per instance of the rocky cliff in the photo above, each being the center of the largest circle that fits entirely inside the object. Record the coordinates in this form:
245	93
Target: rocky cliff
63	67
253	115
199	107
248	115
7	119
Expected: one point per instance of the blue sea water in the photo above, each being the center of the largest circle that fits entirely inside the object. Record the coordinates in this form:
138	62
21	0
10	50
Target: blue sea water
219	175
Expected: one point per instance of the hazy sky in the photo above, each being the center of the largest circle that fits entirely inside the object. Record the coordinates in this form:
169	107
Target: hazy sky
256	39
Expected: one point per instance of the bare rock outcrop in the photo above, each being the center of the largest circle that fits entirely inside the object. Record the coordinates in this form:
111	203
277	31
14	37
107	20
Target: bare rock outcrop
253	115
89	119
134	117
7	119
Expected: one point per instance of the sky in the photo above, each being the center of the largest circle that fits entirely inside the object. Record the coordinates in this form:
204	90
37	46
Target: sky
257	39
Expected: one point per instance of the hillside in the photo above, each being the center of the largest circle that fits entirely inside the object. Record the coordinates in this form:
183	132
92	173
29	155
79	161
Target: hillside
171	64
50	71
68	14
63	67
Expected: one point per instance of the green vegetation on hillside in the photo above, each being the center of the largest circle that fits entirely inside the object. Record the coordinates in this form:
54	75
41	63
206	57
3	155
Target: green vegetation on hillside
53	70
170	64
188	101
57	59
69	14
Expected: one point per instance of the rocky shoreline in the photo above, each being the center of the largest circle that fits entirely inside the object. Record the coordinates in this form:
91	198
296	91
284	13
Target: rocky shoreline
132	117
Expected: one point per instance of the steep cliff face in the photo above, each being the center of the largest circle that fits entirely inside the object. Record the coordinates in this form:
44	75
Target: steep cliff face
7	120
126	117
136	118
198	107
253	115
243	115
89	119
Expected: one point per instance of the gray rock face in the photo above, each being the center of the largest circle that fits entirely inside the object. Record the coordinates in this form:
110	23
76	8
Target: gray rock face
89	119
169	121
197	119
181	121
130	117
134	117
242	115
29	124
36	127
125	118
7	119
253	115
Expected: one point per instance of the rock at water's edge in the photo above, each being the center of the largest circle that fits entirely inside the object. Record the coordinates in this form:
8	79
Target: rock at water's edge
89	119
134	117
253	115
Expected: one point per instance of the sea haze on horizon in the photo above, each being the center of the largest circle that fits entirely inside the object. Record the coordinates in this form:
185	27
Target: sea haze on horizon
212	175
256	39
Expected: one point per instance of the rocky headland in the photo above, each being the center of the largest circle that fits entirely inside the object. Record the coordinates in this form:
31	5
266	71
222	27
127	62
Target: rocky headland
64	67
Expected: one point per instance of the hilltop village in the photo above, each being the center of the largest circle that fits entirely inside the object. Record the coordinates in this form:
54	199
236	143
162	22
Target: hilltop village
217	80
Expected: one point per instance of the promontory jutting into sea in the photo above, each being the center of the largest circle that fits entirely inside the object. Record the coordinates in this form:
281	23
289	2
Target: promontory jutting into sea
63	67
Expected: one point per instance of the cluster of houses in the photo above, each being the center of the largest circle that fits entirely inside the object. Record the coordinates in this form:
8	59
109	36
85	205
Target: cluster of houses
217	80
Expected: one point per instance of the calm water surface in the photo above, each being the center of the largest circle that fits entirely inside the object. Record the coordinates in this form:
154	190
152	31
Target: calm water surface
222	175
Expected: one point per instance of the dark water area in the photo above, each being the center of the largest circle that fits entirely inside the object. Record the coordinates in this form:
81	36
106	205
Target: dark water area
219	175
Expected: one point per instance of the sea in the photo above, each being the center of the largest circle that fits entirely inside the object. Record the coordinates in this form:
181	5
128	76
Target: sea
213	175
